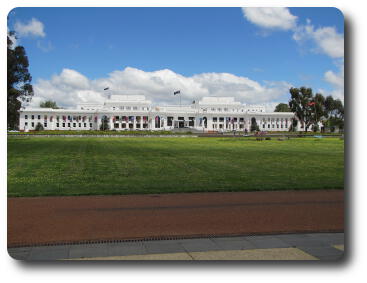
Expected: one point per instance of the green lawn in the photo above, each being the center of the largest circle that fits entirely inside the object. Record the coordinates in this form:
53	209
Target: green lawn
101	166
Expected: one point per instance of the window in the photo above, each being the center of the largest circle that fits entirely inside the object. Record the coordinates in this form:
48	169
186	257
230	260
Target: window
268	126
32	117
80	124
116	125
135	108
273	126
90	125
74	125
63	125
85	125
26	124
277	126
221	119
32	124
138	126
263	126
26	117
123	125
241	120
57	125
39	117
69	125
215	119
128	108
45	124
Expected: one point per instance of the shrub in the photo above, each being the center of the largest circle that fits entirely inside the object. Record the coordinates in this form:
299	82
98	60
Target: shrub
39	127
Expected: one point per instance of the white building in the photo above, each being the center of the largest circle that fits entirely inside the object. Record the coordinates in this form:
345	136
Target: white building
135	112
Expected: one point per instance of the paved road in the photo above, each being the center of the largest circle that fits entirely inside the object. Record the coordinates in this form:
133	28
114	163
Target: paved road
45	220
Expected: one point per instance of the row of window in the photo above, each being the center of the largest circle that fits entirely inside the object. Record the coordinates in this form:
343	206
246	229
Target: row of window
130	108
273	126
63	125
212	109
130	126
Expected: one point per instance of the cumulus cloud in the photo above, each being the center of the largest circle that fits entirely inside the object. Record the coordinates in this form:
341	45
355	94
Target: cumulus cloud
336	80
71	87
33	28
13	40
327	39
270	18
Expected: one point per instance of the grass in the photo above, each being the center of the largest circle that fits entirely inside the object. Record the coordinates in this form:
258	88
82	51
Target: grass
105	166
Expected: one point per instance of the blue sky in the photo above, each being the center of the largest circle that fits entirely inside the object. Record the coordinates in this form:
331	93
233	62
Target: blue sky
94	46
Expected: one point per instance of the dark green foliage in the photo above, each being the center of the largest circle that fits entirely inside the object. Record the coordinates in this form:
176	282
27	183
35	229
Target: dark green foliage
254	126
105	126
18	82
282	107
311	109
49	104
39	127
334	110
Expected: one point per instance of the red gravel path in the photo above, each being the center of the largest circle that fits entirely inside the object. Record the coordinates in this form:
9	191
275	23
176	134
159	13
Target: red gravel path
42	220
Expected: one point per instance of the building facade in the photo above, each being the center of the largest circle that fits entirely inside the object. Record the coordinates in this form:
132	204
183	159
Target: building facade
135	112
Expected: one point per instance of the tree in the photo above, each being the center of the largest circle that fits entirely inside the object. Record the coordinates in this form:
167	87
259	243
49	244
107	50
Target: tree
308	109
49	104
104	124
19	88
282	107
334	113
39	127
254	127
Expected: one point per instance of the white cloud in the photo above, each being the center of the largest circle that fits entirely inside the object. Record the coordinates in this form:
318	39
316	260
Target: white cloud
336	80
70	87
45	47
13	40
33	28
327	39
271	18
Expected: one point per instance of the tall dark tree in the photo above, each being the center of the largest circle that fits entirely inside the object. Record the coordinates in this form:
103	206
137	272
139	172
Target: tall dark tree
334	113
19	88
49	104
282	107
308	109
254	126
104	124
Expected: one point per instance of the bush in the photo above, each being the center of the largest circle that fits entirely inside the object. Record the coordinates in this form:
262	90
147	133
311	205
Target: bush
268	138
39	127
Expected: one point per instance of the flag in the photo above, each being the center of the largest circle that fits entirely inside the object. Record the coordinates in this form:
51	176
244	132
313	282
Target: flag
311	103
176	92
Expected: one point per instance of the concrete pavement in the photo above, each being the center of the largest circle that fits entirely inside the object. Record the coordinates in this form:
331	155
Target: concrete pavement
309	246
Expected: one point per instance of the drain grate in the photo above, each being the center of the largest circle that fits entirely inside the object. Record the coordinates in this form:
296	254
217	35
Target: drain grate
163	238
